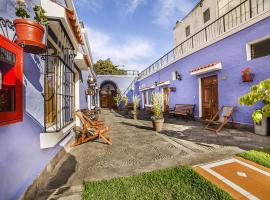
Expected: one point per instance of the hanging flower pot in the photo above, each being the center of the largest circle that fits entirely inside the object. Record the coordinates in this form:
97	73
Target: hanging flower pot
247	76
30	33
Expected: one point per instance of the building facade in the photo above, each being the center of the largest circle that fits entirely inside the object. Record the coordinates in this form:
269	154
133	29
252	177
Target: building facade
53	85
214	43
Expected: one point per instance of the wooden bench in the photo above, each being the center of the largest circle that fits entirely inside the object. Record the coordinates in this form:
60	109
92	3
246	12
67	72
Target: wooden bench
185	110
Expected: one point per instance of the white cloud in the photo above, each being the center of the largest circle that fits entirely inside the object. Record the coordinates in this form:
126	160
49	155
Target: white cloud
93	5
133	52
168	10
128	7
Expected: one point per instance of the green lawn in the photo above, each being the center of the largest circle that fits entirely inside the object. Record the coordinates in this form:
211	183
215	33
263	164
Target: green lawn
176	183
260	156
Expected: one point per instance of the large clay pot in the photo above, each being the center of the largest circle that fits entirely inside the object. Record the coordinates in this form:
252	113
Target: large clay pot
30	35
158	125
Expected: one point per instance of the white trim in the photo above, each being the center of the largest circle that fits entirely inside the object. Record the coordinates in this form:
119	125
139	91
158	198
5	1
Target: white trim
49	140
200	97
206	70
248	45
164	83
125	76
230	183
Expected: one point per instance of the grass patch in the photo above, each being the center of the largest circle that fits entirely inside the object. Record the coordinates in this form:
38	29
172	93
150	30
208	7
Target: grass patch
260	156
176	183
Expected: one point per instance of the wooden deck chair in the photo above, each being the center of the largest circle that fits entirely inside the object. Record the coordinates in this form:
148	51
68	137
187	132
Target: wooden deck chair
224	115
90	132
96	124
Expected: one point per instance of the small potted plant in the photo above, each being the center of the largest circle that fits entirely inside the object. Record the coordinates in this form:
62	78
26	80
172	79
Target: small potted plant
261	117
118	100
125	100
30	33
136	102
157	118
247	76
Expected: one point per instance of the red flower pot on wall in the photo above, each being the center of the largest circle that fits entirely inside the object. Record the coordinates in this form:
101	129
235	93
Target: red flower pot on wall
30	35
247	76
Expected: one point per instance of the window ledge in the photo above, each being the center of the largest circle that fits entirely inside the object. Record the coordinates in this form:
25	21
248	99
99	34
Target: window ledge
49	140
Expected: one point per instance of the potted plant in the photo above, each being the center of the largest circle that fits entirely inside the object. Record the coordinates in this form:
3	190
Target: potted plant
118	99
30	33
157	118
261	117
136	102
247	76
125	100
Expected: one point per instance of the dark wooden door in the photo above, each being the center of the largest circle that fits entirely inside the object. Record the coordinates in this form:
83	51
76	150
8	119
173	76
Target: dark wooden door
104	101
107	100
209	97
166	99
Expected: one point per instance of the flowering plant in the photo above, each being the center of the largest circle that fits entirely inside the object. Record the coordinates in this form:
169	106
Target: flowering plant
247	70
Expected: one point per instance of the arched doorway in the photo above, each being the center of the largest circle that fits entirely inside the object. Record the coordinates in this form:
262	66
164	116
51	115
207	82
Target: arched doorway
108	90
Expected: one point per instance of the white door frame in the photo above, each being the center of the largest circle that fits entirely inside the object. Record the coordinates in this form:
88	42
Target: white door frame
200	97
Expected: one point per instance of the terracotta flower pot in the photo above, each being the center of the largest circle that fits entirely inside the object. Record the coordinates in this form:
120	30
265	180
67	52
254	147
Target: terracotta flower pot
158	125
30	35
248	77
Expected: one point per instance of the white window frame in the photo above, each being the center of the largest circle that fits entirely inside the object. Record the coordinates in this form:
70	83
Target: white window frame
248	45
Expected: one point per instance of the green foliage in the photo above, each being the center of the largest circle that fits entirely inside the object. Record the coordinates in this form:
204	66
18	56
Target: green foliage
125	99
260	156
258	93
179	183
118	99
136	102
21	11
106	67
157	106
40	16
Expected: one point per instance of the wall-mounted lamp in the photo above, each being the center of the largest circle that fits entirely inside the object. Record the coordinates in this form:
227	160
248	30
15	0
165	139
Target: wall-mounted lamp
178	76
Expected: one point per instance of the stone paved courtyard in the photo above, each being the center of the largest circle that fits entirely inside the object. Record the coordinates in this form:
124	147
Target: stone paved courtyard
137	148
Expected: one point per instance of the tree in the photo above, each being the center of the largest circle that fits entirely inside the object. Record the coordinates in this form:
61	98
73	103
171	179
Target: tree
258	93
106	67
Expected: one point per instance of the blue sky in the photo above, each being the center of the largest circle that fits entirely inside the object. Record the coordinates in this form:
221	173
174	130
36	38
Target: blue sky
133	33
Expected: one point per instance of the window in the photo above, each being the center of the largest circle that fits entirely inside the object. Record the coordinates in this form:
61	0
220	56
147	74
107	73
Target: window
206	15
150	97
187	31
59	79
260	49
10	82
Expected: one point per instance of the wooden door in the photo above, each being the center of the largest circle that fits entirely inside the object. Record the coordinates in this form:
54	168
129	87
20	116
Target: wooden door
166	99
104	101
209	97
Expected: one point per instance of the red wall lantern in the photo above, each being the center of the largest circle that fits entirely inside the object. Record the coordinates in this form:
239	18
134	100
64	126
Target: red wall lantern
11	76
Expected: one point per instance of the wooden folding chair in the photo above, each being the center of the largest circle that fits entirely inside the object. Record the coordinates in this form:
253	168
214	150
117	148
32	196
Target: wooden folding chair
223	115
90	131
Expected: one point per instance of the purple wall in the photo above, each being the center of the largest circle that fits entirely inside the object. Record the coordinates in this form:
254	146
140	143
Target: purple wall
231	51
21	158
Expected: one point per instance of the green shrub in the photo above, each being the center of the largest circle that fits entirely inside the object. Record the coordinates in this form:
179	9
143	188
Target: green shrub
258	93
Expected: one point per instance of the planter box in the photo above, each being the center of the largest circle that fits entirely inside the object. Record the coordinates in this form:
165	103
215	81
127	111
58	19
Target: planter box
263	127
